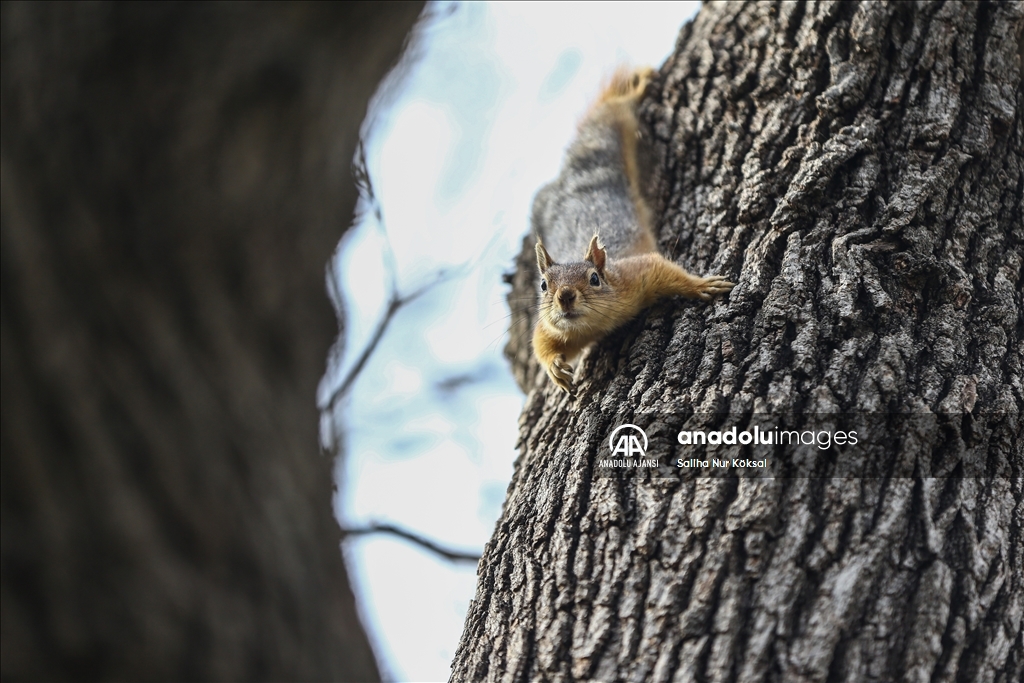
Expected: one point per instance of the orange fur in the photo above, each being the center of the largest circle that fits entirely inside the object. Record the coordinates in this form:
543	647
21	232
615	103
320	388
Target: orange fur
632	283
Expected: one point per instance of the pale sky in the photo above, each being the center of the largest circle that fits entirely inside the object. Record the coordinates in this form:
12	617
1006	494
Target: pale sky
456	152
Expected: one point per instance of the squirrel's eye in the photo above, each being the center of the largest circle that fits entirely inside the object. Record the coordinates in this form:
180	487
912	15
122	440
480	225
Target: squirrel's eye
594	280
543	285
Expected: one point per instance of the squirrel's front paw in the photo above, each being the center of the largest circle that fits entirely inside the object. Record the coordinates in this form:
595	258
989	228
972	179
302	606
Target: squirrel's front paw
560	373
713	286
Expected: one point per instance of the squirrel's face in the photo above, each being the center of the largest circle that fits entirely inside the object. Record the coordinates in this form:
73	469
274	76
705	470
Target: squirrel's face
569	291
573	295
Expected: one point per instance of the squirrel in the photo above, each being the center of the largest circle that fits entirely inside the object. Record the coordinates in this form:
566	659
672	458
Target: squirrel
598	196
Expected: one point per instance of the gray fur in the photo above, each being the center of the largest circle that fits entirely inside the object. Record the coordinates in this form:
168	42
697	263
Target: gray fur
591	195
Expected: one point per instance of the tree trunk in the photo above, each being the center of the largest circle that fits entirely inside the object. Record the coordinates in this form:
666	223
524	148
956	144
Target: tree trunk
175	178
858	170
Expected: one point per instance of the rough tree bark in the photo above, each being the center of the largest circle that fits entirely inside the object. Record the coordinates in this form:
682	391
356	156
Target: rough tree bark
175	177
858	170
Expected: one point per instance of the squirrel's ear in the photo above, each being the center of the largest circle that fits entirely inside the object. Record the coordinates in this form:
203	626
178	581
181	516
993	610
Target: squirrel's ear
544	260
596	254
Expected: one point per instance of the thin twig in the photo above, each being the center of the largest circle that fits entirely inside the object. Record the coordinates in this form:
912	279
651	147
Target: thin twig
375	528
370	202
395	302
361	175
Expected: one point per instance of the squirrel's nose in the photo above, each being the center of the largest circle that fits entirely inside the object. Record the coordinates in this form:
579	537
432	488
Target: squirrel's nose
566	296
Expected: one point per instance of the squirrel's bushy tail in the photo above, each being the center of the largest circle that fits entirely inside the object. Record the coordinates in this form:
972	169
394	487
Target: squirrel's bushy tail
627	83
600	187
616	109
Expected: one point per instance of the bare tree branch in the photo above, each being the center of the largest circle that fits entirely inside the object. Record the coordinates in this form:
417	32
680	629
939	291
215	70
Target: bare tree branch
376	528
395	303
370	203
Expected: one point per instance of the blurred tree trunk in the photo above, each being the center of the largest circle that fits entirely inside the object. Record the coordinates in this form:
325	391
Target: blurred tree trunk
858	169
175	178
